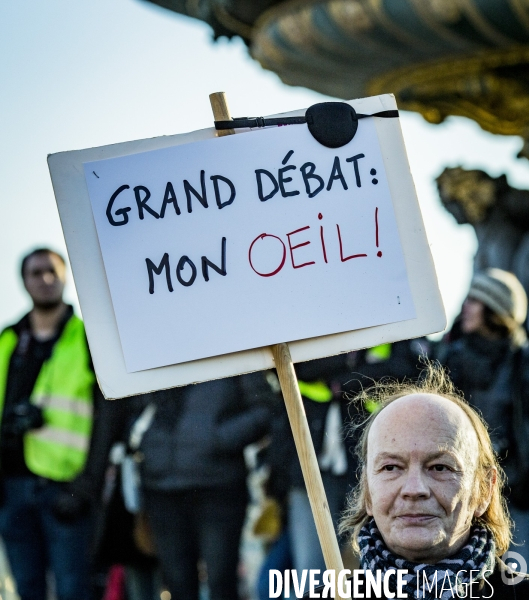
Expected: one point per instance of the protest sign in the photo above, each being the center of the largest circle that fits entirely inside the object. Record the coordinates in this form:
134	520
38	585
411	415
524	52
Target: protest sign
192	254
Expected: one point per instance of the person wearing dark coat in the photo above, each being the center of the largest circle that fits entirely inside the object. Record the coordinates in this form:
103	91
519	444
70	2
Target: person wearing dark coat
121	537
486	355
193	475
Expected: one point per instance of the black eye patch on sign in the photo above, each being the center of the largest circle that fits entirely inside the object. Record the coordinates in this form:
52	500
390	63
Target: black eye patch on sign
332	124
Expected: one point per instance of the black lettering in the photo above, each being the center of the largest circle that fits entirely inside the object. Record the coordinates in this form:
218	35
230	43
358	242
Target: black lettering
207	263
307	172
153	269
215	179
354	160
142	203
283	180
287	157
181	264
189	189
258	174
169	198
119	211
336	173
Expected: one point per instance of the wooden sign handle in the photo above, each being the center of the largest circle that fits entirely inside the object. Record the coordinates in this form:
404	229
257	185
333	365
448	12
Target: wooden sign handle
307	456
221	112
296	415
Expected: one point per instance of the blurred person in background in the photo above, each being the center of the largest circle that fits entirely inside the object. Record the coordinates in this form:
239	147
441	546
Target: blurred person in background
123	555
47	395
193	476
487	357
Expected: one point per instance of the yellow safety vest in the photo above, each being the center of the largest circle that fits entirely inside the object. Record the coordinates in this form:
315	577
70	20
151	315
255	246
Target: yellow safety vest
317	391
377	354
64	390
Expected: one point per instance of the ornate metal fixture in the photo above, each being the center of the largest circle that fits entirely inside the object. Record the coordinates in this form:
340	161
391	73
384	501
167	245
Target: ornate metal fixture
439	57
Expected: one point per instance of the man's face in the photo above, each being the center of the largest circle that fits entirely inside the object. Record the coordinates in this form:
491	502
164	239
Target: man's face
44	279
421	465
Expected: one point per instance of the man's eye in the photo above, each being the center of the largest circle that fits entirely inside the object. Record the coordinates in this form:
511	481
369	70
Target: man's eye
440	468
389	467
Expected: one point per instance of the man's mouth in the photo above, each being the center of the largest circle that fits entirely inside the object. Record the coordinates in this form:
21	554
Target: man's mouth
416	518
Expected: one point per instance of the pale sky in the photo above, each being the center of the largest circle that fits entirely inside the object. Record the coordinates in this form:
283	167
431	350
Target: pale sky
82	74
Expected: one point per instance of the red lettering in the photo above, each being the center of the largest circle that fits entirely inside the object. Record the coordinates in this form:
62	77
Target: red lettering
341	249
262	237
323	244
292	248
379	253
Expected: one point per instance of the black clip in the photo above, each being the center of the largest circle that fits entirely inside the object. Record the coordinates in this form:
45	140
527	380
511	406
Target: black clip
332	124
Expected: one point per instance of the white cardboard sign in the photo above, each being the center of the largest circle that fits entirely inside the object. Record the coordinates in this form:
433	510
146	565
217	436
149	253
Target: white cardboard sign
207	250
247	241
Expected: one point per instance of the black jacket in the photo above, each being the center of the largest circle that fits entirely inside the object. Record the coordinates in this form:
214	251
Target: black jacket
494	378
199	432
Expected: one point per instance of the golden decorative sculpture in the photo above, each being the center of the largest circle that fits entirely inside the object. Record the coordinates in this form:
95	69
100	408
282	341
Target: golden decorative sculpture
498	213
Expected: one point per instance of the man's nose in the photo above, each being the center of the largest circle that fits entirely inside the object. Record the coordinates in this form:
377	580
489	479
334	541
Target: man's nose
415	484
48	278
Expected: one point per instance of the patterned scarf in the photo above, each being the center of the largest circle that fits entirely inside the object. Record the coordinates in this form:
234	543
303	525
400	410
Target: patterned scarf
477	555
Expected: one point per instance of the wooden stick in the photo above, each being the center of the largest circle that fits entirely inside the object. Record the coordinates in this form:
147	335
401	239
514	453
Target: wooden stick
307	456
221	112
297	416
